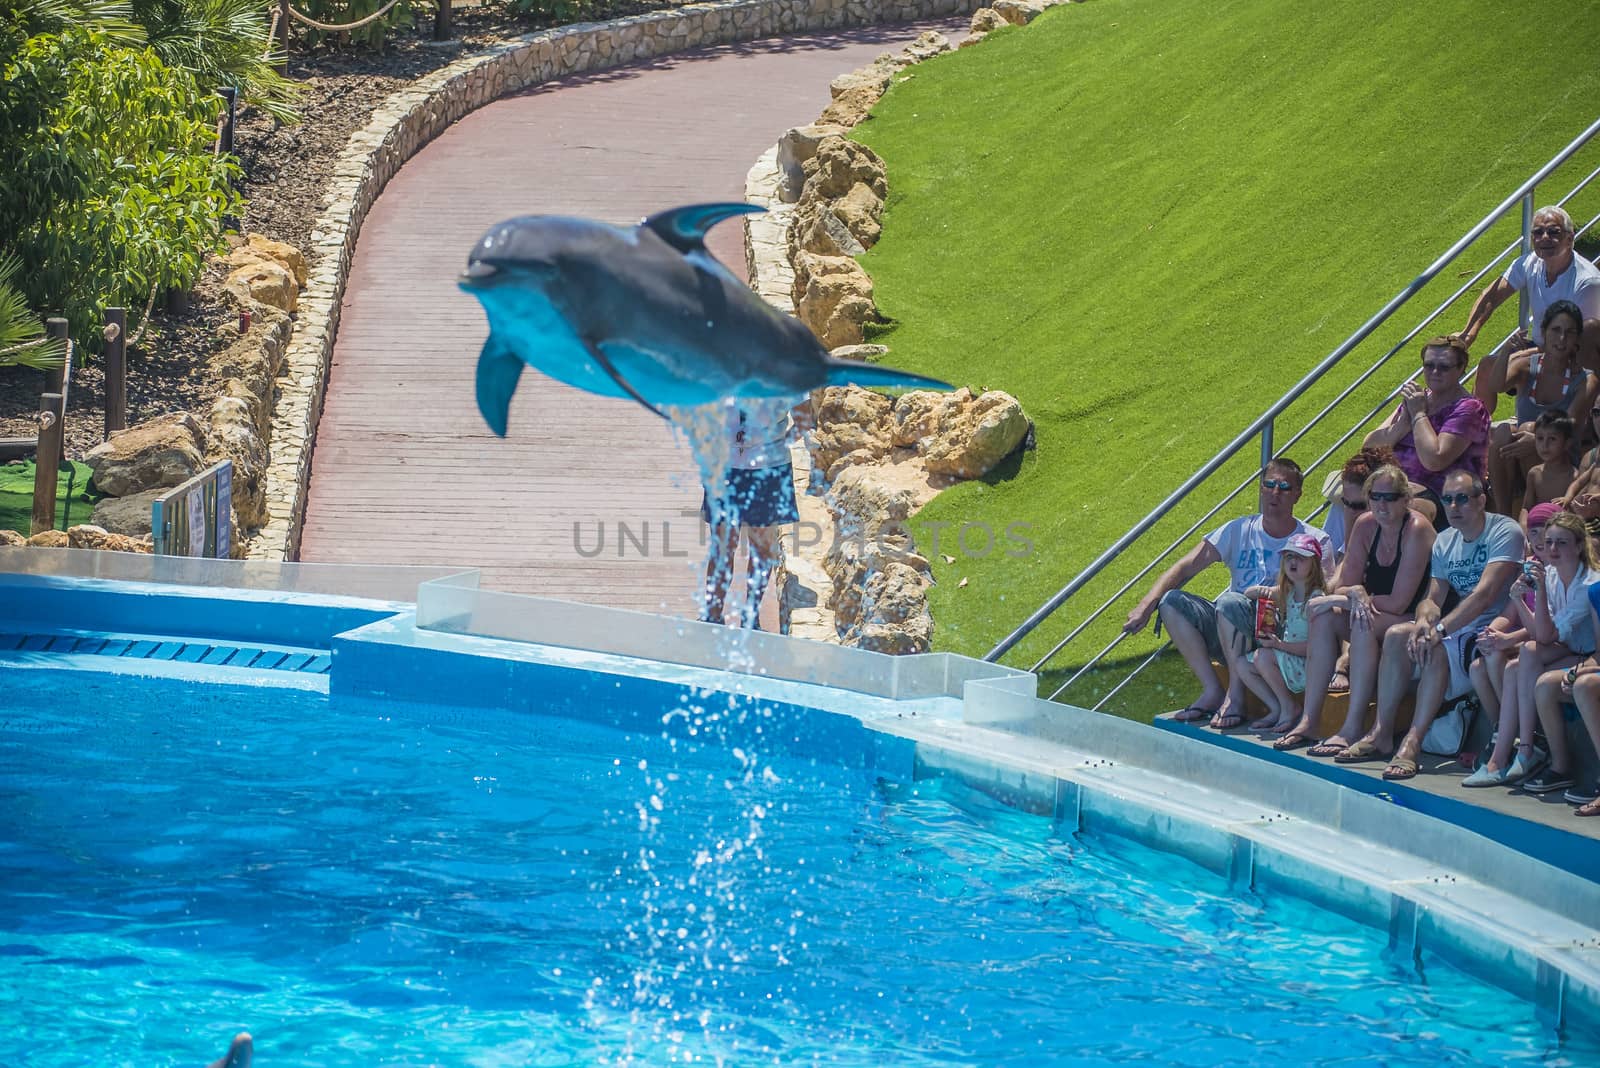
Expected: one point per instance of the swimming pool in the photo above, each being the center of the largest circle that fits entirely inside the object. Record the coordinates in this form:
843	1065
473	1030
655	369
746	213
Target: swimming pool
481	829
363	882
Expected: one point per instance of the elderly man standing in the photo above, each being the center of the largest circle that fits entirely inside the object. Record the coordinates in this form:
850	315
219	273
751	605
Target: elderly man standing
1551	272
1478	557
1225	629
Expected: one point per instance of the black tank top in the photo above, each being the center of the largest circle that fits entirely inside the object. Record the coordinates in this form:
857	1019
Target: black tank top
1380	579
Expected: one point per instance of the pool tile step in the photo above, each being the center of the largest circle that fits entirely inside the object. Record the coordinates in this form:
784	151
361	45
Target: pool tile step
274	658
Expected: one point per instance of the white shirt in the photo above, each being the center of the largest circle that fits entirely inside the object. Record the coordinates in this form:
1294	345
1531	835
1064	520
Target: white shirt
1579	283
1569	608
759	428
1252	554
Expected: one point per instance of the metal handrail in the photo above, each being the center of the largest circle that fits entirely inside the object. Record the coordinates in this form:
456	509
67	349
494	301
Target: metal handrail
1262	426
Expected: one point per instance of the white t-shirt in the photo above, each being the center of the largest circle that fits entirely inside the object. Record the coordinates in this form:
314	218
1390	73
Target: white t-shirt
1569	608
1462	563
759	428
1579	283
1252	554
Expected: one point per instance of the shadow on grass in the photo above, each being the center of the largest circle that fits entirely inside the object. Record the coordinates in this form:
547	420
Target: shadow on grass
1162	687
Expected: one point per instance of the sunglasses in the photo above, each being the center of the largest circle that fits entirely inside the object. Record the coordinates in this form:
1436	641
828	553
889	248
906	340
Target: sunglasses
1438	368
1454	498
1547	231
1387	496
1354	506
1279	484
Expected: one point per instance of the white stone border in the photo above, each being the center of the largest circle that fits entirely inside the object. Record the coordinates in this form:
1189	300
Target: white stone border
416	115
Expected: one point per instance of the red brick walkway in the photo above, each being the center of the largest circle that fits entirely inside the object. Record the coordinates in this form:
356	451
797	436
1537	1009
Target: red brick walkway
404	469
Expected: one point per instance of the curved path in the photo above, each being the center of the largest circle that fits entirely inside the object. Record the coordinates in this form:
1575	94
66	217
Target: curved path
404	470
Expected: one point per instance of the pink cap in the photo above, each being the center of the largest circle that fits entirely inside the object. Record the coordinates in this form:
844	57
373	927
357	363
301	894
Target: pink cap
1305	545
1540	514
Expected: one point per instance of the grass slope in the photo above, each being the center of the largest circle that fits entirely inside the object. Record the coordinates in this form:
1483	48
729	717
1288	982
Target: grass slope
1146	220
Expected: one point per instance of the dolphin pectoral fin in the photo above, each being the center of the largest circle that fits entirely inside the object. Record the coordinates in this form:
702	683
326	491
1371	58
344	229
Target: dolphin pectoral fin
610	368
872	376
685	228
498	372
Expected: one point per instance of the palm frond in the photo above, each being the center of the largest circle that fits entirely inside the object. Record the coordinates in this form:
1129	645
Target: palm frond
22	340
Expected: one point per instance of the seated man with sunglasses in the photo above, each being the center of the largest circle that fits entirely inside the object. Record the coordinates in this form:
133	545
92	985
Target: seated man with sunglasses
1477	558
1224	629
1551	272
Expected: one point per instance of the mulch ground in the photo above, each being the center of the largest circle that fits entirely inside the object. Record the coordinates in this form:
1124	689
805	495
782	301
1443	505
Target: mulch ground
286	172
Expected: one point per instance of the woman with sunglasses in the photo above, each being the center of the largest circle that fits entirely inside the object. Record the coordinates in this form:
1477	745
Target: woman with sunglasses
1437	430
1383	577
1547	378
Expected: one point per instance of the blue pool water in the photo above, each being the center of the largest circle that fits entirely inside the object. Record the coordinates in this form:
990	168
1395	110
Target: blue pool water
409	886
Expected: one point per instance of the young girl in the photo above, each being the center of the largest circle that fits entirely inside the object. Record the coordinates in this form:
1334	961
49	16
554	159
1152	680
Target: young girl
1560	631
1276	671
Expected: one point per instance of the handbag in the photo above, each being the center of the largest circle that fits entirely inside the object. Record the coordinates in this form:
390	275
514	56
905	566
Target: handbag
1449	728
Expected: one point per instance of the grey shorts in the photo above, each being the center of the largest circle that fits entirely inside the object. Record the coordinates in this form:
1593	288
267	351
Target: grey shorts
1202	614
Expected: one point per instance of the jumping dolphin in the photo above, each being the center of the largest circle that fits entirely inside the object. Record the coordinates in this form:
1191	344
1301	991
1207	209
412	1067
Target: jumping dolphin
644	312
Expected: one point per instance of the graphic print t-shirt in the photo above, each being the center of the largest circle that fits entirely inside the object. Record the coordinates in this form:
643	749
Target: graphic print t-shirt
1252	554
1461	563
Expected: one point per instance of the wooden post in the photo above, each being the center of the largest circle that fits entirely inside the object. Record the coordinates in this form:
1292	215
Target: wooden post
56	379
283	36
116	370
442	30
52	409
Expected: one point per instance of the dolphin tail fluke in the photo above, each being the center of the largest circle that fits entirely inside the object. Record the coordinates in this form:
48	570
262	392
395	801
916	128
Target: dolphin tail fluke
498	372
872	376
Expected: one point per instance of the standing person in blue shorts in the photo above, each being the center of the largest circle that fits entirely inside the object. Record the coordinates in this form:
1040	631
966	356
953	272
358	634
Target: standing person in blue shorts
758	496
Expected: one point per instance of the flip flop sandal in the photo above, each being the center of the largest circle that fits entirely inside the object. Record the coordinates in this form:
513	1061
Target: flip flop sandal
1290	742
1326	749
1400	768
1591	809
1193	714
1361	752
1339	682
1226	723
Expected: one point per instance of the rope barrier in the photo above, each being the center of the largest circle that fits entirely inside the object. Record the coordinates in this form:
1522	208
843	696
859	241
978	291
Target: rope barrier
25	346
306	20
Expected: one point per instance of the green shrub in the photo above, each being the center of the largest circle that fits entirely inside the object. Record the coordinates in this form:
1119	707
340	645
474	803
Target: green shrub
108	182
344	12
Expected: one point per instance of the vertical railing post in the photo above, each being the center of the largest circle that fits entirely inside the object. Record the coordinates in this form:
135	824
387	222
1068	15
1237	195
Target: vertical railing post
283	36
441	21
230	112
56	378
1266	443
116	370
1527	247
47	461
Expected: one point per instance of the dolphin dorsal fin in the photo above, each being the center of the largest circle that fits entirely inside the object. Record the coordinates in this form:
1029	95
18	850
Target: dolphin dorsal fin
685	228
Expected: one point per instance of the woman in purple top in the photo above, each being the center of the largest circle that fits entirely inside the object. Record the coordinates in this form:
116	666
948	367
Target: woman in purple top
1440	430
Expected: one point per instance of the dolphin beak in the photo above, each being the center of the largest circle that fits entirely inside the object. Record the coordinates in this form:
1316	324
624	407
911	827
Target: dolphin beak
477	275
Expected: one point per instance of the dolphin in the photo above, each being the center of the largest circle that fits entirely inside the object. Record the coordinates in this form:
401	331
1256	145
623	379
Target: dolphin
644	312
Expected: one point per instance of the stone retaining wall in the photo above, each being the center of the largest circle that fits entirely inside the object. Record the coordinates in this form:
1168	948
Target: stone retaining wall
414	116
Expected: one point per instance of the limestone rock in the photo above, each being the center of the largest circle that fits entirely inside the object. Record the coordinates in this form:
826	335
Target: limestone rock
850	107
126	515
233	435
861	211
987	18
1019	12
795	147
848	419
820	230
93	537
916	413
266	281
972	439
49	539
928	44
841	163
833	296
861	353
161	452
11	537
874	76
863	457
283	253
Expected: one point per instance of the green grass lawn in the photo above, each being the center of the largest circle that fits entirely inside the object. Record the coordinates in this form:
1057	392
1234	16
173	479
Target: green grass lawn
16	497
1147	220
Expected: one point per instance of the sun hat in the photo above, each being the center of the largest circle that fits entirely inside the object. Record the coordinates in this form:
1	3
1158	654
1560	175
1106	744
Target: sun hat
1540	514
1304	545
